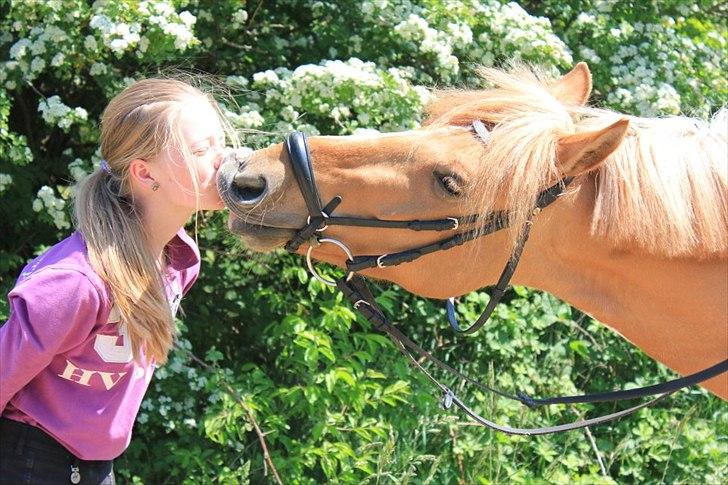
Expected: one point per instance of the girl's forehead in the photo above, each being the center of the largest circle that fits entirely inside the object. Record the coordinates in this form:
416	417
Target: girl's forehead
199	121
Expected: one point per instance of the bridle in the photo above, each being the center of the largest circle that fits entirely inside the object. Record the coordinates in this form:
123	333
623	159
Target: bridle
355	288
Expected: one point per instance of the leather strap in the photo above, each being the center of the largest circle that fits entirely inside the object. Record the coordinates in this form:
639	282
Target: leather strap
301	162
356	290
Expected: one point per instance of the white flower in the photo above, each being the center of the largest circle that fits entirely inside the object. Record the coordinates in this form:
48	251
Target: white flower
118	45
240	16
5	181
265	77
143	44
90	43
38	47
19	49
461	34
55	113
247	119
37	65
187	18
413	28
53	206
97	68
58	59
236	81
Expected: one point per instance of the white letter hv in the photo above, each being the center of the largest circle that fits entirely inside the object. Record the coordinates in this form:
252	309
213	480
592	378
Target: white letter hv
83	376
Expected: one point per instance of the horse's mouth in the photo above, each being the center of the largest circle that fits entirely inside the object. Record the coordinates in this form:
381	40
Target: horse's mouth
259	237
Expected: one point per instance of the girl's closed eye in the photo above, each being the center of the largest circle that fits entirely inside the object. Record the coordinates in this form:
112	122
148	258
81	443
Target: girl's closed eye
201	150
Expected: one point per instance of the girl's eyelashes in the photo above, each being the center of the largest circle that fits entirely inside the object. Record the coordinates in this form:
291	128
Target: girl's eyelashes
200	151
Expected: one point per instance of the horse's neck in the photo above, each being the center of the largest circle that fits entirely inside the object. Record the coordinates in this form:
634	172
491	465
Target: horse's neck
676	310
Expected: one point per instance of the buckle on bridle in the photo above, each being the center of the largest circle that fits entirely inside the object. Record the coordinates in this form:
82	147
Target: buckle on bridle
447	399
320	229
380	264
456	221
360	302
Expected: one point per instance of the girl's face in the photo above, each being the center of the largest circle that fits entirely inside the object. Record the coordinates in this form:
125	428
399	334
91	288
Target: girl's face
204	140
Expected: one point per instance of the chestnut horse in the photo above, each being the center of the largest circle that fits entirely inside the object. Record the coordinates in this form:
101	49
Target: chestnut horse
639	239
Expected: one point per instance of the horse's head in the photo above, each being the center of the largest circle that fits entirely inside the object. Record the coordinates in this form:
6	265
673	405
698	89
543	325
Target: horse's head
444	169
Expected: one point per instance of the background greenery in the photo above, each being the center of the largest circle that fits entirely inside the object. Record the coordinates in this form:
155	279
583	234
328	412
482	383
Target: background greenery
336	401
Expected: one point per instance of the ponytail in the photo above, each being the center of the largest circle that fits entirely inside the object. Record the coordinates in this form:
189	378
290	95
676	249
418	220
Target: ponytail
117	250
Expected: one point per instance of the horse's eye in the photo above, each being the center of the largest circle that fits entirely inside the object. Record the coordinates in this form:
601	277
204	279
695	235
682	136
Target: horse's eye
450	184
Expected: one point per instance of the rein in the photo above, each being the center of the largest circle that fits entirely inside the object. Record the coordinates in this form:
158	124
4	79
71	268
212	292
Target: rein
355	288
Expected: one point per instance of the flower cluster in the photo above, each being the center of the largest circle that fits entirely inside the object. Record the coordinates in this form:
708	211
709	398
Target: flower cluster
415	29
54	206
345	95
55	113
118	37
652	69
88	36
159	19
446	41
513	33
5	181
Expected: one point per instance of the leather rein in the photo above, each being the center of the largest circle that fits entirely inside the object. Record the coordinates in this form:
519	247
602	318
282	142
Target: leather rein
355	288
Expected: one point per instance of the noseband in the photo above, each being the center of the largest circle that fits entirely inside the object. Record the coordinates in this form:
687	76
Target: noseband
356	290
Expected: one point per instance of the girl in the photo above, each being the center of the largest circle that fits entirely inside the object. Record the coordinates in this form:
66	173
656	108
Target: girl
92	316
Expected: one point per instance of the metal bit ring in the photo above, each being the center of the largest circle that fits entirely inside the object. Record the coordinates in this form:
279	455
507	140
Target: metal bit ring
309	263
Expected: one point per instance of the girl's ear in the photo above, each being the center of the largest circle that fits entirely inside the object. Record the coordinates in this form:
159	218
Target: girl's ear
140	172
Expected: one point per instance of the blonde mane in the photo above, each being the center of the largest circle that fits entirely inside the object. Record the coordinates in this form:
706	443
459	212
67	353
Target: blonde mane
665	189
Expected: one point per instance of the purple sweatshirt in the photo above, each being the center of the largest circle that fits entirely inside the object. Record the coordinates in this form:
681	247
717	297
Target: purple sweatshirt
65	363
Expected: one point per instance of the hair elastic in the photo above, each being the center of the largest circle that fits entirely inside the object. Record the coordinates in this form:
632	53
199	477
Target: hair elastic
104	165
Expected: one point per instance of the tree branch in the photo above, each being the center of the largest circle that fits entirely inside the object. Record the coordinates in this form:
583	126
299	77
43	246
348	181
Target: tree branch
267	461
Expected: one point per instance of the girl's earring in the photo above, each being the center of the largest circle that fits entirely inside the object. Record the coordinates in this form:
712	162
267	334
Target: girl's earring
155	186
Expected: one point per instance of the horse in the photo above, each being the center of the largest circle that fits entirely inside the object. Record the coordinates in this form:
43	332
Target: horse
638	239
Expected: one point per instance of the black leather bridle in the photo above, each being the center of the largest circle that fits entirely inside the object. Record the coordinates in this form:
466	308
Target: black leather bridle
356	290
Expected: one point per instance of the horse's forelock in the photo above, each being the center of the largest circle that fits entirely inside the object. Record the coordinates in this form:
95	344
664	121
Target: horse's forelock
521	88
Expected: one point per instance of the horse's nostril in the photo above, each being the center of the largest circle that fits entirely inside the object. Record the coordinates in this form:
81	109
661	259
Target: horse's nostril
248	188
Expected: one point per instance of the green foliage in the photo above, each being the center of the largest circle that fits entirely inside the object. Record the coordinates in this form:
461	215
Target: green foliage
337	402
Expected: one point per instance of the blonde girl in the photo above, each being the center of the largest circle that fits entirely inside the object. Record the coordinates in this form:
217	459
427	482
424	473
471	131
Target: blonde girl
92	316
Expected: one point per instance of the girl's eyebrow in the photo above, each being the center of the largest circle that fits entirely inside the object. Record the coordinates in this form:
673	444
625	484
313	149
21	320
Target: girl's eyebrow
201	140
208	139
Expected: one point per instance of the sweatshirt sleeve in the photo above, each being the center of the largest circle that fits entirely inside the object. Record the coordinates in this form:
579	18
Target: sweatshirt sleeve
51	311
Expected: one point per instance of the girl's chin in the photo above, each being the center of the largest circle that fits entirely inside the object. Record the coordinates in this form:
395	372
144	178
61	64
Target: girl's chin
213	206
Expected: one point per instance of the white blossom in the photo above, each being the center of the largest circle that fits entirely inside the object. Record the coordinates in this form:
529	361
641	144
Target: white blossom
5	181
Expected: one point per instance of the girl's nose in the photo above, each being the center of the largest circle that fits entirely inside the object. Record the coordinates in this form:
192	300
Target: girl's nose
222	152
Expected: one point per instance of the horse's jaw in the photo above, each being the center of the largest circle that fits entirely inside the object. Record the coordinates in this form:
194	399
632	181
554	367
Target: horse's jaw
258	237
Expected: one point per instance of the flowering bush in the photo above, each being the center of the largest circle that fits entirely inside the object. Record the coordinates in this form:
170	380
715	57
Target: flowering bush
336	401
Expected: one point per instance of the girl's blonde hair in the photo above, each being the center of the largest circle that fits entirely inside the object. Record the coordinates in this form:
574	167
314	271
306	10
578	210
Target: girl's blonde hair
139	123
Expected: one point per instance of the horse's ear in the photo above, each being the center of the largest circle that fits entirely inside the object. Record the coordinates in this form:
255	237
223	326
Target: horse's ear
574	87
584	152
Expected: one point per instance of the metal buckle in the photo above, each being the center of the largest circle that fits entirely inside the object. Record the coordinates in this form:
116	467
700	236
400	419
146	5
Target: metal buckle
309	263
447	399
326	226
320	229
456	221
361	302
380	264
